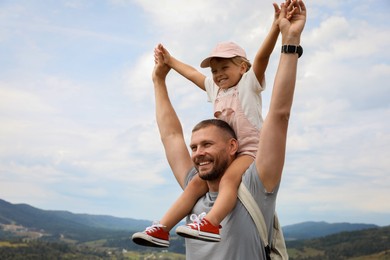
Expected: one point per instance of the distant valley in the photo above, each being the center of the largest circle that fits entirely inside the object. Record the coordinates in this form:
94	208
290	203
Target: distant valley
22	221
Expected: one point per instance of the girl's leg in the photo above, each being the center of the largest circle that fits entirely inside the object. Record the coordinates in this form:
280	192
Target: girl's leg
184	204
228	190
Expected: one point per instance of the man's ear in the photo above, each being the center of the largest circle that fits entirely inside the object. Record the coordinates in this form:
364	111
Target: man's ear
233	146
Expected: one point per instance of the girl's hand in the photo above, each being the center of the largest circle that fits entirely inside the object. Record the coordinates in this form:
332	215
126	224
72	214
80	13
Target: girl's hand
166	56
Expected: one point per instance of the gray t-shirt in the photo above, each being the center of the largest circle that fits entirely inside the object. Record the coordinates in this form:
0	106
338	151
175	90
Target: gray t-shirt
240	238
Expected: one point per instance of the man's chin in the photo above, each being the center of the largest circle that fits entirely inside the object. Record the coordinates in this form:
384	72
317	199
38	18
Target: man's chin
203	174
209	176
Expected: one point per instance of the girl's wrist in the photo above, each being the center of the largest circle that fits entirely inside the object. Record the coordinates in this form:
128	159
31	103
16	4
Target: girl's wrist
275	28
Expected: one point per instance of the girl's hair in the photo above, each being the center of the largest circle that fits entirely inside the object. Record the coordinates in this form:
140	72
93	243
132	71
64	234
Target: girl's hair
238	60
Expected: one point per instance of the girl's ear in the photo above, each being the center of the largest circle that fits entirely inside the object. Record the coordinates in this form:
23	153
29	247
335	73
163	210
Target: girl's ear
243	68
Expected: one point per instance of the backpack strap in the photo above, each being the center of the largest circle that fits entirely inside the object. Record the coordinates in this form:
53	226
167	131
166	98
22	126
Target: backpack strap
278	248
250	204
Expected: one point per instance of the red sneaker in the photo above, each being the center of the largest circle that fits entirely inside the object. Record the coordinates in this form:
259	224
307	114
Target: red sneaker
153	236
200	229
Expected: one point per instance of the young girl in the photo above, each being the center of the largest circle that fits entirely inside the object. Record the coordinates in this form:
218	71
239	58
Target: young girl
234	89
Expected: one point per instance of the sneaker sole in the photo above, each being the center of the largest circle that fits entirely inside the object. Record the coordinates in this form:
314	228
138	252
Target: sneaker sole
145	240
195	234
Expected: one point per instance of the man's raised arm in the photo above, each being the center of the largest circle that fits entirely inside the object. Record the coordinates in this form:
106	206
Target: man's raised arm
272	145
169	125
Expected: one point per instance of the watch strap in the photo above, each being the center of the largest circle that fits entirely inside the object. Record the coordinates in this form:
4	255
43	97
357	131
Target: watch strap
293	49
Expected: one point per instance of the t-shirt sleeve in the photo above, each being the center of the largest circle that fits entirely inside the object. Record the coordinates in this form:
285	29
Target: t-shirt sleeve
251	80
211	89
190	175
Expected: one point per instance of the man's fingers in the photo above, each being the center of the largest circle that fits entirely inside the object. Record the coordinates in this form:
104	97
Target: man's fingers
283	9
302	6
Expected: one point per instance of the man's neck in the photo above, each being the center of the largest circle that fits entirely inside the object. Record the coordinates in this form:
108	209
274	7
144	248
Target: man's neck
213	185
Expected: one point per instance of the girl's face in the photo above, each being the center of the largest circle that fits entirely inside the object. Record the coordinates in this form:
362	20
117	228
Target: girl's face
226	74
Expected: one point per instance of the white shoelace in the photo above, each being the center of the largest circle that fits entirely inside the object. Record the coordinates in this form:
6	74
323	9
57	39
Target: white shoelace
155	225
197	220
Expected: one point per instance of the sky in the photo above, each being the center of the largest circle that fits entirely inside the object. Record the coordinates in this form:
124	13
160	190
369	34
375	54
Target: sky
77	121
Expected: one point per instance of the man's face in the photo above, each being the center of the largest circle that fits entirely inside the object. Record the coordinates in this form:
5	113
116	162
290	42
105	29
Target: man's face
210	153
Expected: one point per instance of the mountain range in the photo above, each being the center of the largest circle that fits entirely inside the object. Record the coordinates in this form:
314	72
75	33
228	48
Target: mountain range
312	229
65	222
30	216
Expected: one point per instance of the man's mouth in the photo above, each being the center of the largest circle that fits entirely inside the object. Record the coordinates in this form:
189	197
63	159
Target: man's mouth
203	163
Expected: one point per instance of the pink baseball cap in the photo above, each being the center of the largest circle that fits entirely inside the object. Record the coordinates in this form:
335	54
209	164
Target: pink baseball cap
224	50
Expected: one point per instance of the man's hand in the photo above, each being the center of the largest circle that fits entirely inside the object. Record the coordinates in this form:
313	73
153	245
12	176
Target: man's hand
160	70
293	21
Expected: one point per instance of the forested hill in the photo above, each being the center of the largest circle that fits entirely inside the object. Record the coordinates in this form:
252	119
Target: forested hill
25	230
64	222
357	245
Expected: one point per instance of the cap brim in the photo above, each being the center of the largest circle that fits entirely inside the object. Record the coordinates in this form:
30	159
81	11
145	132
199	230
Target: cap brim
206	62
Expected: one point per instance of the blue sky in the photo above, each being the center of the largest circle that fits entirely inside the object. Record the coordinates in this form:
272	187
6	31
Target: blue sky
77	127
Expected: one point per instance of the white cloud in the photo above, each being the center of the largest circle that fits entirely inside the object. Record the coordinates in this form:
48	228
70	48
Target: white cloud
14	101
77	111
138	79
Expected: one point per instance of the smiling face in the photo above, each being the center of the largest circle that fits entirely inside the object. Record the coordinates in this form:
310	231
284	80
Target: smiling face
212	152
226	73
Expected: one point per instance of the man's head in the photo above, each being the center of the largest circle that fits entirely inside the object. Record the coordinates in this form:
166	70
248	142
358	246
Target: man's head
213	146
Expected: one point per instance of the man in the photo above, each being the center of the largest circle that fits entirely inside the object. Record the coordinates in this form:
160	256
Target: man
213	148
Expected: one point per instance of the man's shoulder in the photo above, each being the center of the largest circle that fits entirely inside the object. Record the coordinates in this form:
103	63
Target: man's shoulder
250	174
190	174
252	181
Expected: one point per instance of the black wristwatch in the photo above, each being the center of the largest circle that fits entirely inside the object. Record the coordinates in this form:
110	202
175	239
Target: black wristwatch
293	49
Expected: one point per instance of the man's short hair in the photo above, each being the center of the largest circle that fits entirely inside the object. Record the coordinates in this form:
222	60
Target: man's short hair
225	127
